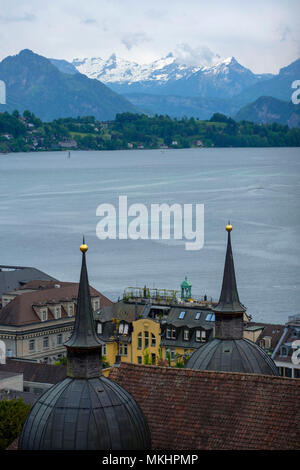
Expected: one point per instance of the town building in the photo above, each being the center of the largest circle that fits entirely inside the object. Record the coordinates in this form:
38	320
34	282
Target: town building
265	335
36	377
286	355
14	277
38	318
153	326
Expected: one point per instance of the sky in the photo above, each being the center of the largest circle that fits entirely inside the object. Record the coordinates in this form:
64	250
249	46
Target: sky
263	35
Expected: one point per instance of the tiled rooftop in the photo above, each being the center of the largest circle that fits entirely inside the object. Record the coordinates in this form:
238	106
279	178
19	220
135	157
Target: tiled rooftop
189	409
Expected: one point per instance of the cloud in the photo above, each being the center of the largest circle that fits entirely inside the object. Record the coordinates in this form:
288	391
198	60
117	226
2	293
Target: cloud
27	17
134	39
89	21
202	55
285	32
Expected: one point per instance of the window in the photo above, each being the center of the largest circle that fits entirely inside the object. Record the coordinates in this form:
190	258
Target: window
170	354
210	317
168	333
57	312
153	340
104	350
146	339
140	341
181	315
283	351
44	314
31	345
96	304
46	343
99	328
200	335
70	310
59	339
186	335
153	359
173	333
124	349
198	314
123	328
139	358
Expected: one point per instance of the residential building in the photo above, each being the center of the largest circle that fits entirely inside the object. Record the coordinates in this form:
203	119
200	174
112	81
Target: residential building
37	319
286	355
14	277
265	335
153	326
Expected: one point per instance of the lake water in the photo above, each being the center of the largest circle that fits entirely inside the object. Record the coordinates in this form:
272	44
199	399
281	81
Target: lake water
48	201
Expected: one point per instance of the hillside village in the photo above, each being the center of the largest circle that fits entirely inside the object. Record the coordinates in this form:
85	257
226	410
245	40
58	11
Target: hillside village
27	133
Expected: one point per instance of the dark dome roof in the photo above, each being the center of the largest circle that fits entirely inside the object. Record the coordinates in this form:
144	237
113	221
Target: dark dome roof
237	355
93	414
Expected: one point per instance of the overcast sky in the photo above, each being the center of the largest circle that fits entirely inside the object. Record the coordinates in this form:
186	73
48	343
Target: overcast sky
262	35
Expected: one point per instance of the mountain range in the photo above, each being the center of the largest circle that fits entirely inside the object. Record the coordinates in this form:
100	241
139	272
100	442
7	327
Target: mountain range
53	88
168	87
33	82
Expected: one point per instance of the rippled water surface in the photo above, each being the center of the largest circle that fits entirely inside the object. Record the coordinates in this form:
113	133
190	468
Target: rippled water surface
48	201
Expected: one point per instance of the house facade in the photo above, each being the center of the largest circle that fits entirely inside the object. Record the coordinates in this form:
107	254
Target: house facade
37	319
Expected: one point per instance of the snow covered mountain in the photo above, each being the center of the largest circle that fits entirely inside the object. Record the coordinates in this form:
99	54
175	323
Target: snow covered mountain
167	76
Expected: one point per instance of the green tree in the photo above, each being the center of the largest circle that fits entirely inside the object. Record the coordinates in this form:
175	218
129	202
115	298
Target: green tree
62	361
147	358
12	417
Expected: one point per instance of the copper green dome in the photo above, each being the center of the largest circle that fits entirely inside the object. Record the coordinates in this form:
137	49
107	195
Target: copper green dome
185	284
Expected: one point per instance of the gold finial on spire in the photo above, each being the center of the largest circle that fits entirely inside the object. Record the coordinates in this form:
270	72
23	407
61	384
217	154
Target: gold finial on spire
229	227
83	248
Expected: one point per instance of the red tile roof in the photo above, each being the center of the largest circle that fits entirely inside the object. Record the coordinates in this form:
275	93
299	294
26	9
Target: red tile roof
189	410
20	310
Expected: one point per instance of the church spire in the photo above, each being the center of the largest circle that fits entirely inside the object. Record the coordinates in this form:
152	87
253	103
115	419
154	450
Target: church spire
84	347
229	299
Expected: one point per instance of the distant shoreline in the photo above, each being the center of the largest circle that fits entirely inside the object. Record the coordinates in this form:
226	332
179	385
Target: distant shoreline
27	133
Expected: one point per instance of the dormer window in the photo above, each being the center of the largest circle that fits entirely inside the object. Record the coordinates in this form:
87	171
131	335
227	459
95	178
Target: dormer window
181	315
44	314
70	310
186	335
57	312
96	305
200	335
